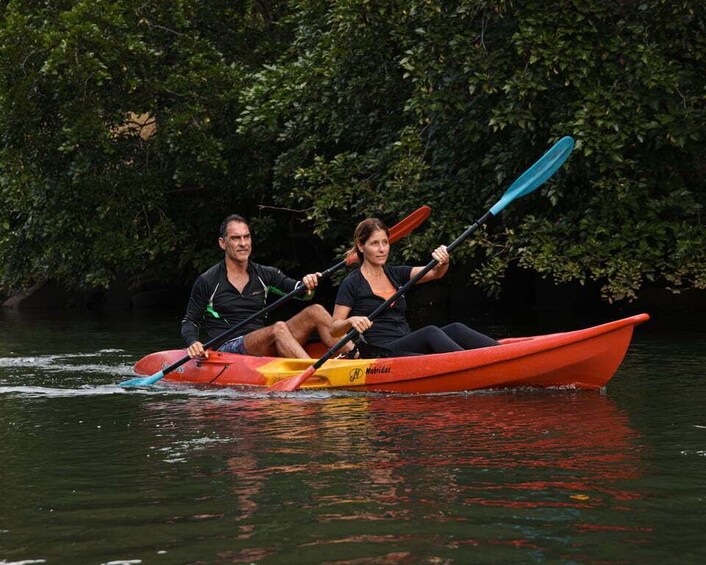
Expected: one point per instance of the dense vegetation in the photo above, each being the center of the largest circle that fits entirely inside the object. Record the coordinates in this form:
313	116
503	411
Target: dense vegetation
129	129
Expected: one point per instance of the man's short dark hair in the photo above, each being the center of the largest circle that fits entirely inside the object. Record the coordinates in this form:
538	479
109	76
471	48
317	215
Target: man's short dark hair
223	230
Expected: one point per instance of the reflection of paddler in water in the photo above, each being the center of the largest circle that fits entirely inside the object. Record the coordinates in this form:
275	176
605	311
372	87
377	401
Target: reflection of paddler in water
305	443
342	439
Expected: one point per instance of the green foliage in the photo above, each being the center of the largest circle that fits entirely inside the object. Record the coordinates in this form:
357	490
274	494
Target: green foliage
118	153
347	109
445	103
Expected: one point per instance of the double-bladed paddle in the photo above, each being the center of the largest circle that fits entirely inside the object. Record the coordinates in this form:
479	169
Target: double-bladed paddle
529	181
397	232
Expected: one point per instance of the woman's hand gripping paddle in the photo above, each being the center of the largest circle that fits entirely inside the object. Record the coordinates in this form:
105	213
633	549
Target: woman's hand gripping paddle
397	232
529	181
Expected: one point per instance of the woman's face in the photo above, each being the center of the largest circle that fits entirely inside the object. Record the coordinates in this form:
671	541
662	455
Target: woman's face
376	248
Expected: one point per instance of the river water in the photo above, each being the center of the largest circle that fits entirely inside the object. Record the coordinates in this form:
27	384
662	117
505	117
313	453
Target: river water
93	474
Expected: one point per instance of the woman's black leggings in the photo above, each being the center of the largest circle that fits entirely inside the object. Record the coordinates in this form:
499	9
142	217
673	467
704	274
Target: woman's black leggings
432	339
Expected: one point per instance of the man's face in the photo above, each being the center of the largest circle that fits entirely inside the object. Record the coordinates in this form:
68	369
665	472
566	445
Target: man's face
237	243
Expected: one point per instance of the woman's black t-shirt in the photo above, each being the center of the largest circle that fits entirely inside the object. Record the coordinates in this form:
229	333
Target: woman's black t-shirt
355	292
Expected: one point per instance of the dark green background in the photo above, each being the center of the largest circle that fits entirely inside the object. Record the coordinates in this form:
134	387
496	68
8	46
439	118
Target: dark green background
307	116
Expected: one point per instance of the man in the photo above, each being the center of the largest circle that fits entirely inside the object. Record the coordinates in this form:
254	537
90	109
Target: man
234	289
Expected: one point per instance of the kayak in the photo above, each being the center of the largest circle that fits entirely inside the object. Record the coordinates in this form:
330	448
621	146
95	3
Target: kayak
581	359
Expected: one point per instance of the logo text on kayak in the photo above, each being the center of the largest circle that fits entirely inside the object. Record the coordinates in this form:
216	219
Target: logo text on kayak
373	370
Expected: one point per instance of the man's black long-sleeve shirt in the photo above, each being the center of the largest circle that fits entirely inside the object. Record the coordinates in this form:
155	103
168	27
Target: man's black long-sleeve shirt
217	304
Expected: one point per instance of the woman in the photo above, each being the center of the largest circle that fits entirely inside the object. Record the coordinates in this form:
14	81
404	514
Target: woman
374	282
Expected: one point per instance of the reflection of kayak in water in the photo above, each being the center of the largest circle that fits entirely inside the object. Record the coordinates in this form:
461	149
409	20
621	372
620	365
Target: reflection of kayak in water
515	451
578	432
585	359
459	454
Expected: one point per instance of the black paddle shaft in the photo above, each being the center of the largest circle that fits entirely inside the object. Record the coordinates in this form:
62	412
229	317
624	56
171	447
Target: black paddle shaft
300	290
404	288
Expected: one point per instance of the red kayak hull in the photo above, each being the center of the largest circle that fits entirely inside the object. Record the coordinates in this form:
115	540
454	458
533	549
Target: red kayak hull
583	359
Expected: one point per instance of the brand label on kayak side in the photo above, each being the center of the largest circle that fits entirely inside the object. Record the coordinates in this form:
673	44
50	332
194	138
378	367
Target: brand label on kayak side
177	370
355	374
374	370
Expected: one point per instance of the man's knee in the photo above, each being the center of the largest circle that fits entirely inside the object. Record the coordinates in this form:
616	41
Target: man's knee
280	330
317	312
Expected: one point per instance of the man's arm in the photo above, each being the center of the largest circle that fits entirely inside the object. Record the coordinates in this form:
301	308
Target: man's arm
191	323
281	284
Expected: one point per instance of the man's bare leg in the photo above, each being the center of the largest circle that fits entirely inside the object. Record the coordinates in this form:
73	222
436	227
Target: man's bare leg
314	318
275	341
286	339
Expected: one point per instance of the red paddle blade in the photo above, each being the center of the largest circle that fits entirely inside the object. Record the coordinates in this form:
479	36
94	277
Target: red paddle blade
409	224
401	229
292	384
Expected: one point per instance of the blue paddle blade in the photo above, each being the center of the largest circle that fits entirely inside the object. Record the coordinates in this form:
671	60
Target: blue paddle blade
537	174
142	381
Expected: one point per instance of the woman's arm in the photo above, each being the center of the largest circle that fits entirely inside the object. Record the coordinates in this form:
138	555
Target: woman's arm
442	257
341	323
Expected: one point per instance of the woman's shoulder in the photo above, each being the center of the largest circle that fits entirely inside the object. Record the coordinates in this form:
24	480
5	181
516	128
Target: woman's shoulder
352	278
350	289
400	273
